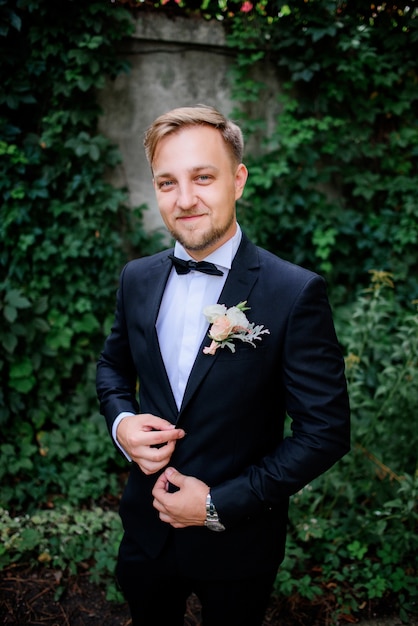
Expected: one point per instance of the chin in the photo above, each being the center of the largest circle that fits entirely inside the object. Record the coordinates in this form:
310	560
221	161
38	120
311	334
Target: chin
194	241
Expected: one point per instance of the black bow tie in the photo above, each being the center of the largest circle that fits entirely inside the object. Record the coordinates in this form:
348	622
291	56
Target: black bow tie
184	267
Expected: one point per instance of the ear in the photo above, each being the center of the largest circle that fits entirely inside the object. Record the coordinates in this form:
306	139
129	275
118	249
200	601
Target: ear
241	176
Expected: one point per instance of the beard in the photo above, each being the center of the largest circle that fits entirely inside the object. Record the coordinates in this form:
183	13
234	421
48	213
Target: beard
195	241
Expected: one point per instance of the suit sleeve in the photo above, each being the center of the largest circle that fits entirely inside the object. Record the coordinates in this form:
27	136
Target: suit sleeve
116	377
317	403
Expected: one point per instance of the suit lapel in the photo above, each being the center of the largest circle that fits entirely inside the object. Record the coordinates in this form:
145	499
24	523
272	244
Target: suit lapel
241	279
157	279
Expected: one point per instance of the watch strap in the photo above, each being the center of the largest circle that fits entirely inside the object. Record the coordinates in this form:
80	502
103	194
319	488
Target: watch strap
212	518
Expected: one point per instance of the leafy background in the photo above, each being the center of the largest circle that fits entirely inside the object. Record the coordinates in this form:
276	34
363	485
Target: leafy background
333	187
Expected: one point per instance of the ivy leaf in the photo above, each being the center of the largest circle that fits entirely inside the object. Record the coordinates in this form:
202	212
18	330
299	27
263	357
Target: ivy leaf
15	299
23	385
60	339
9	342
87	324
21	369
21	376
94	152
10	313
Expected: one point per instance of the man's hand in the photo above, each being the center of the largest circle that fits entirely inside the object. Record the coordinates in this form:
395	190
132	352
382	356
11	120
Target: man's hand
184	507
149	440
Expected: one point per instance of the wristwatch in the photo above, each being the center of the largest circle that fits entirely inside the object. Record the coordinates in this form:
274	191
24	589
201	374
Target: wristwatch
212	518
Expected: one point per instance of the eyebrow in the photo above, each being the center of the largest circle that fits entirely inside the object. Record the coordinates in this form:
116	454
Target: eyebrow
193	170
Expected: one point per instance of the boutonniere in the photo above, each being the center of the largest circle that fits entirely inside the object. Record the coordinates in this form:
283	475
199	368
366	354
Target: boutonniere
230	324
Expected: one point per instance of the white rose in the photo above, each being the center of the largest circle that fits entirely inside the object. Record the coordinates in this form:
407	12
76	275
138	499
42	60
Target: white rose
237	317
213	311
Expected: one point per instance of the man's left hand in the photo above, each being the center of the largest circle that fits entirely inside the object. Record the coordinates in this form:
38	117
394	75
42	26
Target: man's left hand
187	505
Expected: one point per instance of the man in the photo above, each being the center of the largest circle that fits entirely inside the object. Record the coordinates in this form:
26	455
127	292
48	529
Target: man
205	506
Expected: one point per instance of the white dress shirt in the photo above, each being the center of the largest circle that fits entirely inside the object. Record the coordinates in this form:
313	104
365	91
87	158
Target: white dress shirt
181	325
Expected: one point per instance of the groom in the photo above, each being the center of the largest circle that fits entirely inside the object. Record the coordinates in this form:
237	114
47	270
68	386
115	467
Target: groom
195	395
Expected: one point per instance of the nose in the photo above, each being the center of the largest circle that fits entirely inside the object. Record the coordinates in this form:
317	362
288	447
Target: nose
186	196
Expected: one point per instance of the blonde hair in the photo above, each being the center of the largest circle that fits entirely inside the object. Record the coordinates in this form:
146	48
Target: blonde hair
199	115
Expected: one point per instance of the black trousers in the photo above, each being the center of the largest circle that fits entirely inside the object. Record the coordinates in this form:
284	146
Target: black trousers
157	593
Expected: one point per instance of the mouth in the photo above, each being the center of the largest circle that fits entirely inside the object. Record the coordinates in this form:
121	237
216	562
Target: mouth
189	219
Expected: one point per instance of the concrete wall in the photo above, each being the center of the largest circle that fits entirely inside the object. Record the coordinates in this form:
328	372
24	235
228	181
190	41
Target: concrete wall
175	62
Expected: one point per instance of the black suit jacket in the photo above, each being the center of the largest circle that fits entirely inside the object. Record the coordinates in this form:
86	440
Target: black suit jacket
233	410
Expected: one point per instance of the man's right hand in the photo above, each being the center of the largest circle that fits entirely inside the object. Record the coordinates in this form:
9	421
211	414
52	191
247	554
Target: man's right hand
149	440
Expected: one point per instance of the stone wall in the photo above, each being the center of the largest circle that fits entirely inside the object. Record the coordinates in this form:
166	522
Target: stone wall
174	62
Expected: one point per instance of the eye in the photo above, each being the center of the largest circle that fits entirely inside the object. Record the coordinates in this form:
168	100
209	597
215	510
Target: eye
204	179
165	184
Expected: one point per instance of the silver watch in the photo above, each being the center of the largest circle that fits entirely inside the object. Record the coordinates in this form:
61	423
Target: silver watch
212	518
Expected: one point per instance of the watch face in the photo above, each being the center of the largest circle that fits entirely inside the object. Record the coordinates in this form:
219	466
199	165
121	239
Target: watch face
215	525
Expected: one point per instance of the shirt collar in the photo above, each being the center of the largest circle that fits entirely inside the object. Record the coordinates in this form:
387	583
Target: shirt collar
222	256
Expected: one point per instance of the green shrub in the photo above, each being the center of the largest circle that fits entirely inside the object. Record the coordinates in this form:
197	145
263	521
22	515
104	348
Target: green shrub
65	234
66	539
334	184
353	533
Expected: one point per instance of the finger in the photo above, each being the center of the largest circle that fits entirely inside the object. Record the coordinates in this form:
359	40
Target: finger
174	477
151	459
154	453
162	437
161	485
159	454
148	467
154	458
157	504
156	423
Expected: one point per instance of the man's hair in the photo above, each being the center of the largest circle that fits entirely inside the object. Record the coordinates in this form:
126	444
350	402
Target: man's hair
199	115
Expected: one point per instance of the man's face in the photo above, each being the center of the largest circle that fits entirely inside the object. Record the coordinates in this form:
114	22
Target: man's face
197	184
